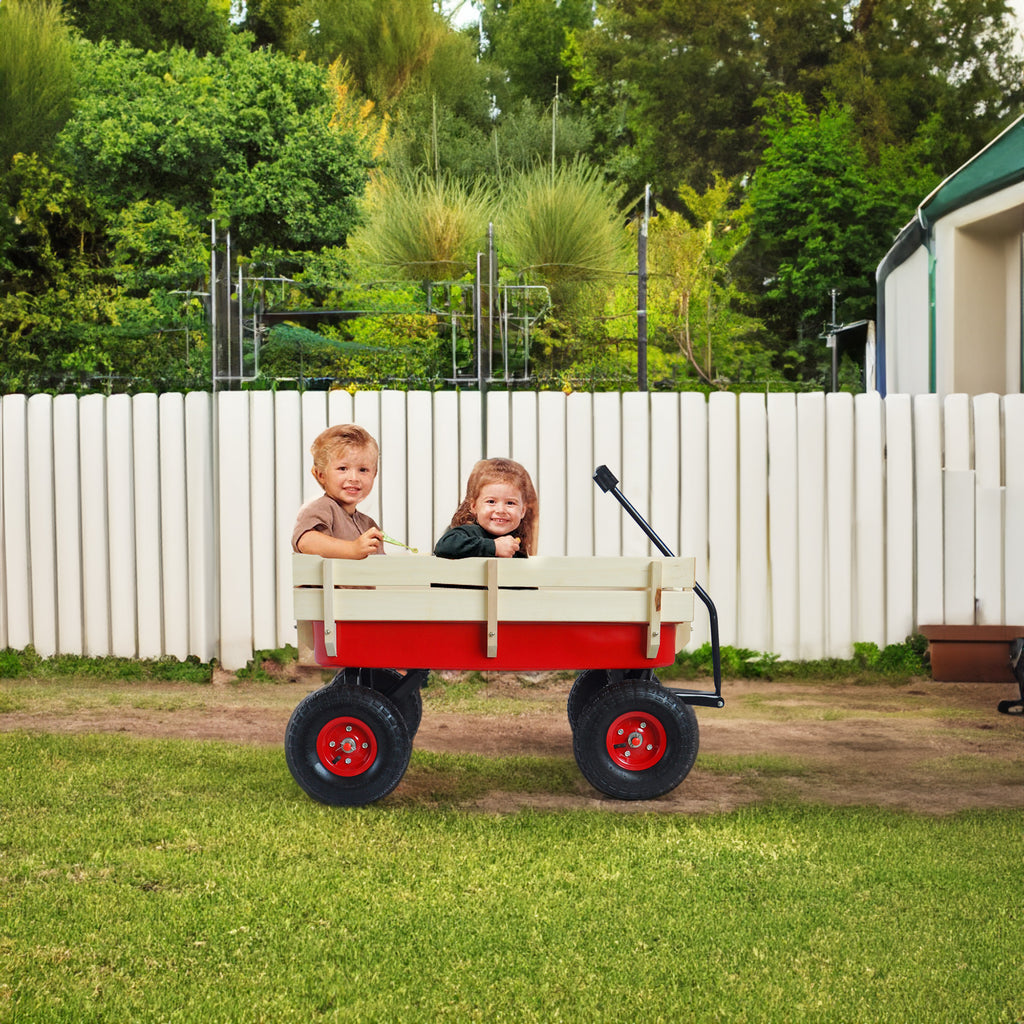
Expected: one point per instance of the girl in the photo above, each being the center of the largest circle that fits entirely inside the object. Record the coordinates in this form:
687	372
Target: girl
498	516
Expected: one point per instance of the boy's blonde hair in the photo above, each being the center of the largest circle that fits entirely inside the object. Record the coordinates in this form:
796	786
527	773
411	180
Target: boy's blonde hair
503	471
335	440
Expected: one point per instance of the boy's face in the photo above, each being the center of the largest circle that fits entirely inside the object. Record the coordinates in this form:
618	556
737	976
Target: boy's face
498	508
348	476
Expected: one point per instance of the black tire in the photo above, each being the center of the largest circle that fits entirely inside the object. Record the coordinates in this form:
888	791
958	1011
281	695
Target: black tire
410	707
385	680
587	685
334	719
636	740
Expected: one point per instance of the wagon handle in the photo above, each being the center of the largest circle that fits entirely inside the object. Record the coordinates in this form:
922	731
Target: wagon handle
608	481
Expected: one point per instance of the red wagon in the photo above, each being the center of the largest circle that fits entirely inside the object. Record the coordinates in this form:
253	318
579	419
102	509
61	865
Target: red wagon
615	620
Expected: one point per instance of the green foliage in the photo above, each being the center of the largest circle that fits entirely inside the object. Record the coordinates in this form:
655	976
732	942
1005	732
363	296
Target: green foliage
223	873
386	43
896	661
249	137
561	225
200	25
425	228
28	664
823	211
36	86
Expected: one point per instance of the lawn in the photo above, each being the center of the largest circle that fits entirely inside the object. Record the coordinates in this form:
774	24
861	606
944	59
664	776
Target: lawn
171	880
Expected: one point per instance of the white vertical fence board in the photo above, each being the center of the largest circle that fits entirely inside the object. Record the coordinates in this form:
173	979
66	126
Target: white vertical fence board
121	527
665	494
753	604
958	547
869	521
262	519
723	505
989	555
3	543
292	466
928	511
145	422
341	408
899	519
41	525
95	569
608	514
16	538
581	491
314	421
523	431
498	442
471	438
203	628
550	481
693	511
67	525
635	476
956	419
1013	510
988	442
783	540
367	413
420	475
173	525
839	464
234	540
990	527
446	443
810	419
394	461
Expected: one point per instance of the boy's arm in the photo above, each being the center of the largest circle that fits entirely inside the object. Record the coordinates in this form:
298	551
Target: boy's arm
317	542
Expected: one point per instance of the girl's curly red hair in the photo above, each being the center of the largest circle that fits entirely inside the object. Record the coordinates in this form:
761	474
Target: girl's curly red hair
503	471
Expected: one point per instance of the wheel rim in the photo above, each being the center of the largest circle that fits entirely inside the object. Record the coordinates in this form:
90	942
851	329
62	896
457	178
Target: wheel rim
346	746
635	741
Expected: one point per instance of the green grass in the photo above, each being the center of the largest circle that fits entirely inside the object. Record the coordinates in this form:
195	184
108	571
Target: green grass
178	881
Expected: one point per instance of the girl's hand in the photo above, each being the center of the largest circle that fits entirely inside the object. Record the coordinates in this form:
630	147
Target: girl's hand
506	547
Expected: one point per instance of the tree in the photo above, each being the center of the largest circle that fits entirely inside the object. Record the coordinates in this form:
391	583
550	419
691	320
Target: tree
200	25
36	86
386	43
823	213
252	138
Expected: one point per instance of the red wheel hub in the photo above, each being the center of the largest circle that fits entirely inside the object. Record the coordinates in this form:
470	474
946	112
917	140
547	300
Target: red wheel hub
346	746
635	741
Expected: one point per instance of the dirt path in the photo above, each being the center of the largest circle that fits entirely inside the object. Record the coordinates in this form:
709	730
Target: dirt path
932	747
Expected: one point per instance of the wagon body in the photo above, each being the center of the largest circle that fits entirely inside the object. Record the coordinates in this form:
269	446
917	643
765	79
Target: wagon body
493	614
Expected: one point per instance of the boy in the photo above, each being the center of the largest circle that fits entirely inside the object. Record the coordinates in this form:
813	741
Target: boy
345	466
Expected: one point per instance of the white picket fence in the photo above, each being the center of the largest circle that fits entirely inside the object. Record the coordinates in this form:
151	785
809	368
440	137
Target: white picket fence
147	526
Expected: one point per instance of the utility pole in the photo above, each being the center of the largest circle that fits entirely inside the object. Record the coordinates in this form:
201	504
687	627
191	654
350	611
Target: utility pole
641	295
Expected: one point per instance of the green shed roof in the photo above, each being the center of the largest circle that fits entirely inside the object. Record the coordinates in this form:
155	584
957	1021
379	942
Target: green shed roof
998	165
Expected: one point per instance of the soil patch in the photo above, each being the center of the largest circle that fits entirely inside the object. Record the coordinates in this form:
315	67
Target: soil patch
932	747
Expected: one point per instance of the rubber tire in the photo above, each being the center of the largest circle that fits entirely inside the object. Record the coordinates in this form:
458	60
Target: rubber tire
587	685
378	714
681	740
410	706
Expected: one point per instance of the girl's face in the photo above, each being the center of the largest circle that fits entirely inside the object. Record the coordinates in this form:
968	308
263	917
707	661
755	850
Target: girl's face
498	508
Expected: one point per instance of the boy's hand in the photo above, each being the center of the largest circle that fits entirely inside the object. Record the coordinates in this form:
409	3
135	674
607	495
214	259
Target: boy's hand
369	543
506	547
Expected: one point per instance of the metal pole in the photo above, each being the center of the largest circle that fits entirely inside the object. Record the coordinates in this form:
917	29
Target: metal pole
834	341
213	305
641	296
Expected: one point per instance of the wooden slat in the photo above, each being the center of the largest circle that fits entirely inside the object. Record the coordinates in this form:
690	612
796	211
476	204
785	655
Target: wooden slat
492	607
654	604
422	570
460	605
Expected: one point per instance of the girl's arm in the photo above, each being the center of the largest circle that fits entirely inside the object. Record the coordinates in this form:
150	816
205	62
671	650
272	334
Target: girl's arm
465	542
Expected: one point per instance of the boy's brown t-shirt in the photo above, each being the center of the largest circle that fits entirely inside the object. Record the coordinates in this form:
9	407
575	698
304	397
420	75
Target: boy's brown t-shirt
327	515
